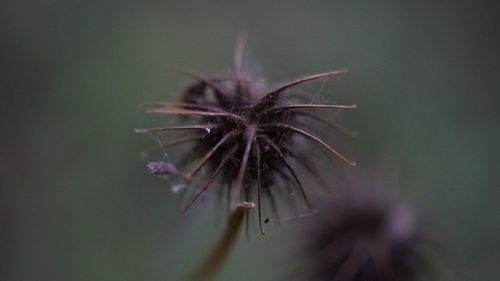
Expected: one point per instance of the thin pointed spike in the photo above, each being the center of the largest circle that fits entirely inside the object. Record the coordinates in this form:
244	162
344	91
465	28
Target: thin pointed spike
330	123
292	171
209	154
285	177
243	80
259	206
239	49
168	105
181	112
298	81
298	106
206	185
196	181
241	173
193	113
272	201
309	166
316	139
176	128
290	185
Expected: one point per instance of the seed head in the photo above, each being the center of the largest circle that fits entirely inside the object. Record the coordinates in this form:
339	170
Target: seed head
245	133
365	235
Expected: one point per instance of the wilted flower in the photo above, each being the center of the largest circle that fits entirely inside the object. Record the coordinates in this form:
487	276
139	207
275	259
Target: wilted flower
244	133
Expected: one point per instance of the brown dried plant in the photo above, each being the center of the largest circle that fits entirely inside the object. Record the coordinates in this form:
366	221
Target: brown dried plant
244	134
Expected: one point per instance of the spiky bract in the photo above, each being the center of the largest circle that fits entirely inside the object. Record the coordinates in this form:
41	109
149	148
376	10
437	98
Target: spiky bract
244	133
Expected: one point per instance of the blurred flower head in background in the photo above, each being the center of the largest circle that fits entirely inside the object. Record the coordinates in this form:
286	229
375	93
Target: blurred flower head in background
365	234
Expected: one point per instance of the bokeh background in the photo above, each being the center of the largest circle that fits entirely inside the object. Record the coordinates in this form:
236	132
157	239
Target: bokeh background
77	203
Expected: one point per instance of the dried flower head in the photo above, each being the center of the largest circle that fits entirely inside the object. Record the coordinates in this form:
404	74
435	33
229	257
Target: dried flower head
365	235
243	133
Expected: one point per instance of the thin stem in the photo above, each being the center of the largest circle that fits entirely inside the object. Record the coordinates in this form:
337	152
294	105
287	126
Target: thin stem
219	254
312	137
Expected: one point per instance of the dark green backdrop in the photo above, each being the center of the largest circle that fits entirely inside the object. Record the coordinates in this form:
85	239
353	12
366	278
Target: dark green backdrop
77	203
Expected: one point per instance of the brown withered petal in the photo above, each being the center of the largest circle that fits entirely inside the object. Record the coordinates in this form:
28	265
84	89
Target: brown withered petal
244	134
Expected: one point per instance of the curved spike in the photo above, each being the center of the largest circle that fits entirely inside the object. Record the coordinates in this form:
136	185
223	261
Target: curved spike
176	128
270	95
289	184
211	178
296	106
207	156
312	137
193	113
292	171
206	185
330	123
259	191
243	167
168	105
309	165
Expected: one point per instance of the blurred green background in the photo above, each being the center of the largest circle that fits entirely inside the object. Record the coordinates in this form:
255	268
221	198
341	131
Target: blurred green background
77	203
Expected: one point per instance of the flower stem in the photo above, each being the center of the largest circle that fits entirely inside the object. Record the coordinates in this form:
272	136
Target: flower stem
214	261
